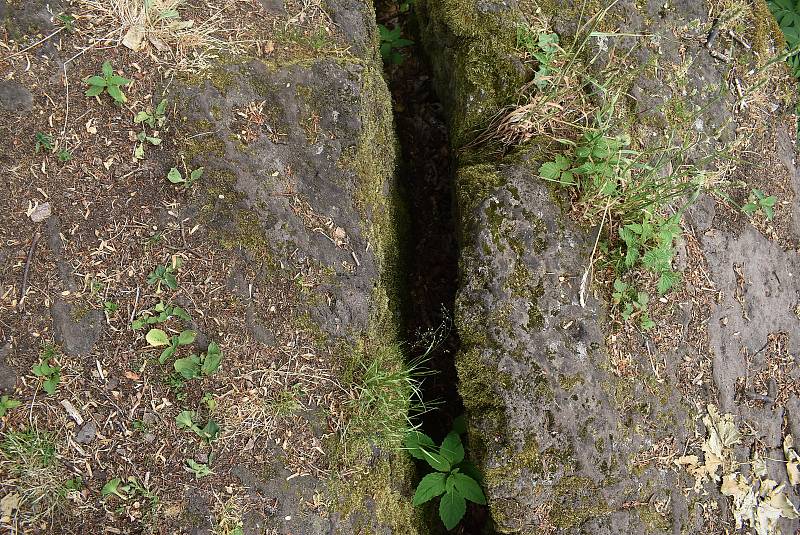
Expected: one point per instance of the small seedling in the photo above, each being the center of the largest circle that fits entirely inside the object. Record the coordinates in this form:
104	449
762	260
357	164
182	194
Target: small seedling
177	385
758	201
209	401
108	82
176	177
50	374
199	470
68	21
110	306
543	48
633	303
186	420
152	118
142	139
7	404
43	141
195	366
455	479
165	275
391	43
64	155
128	489
159	314
114	487
159	338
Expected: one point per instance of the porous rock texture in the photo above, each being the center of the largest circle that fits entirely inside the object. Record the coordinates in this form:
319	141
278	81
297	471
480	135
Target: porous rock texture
575	421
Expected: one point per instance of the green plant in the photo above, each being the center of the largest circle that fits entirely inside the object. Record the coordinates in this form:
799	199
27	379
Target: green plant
142	139
108	82
68	21
64	155
632	303
177	385
43	141
787	13
199	470
159	338
165	275
385	395
176	177
627	190
186	420
45	370
154	118
195	366
159	314
543	47
31	448
6	404
128	489
455	479
759	202
209	401
391	43
110	306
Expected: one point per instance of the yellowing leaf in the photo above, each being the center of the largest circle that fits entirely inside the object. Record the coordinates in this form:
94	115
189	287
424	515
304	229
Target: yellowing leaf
134	38
734	485
157	338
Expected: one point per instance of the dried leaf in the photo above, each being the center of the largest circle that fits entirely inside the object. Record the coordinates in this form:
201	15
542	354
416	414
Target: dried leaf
134	38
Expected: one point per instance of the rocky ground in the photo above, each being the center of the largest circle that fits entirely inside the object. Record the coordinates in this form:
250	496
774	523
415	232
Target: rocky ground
251	220
220	268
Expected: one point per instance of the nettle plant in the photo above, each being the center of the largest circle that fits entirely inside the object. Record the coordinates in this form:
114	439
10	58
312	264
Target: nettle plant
760	202
392	42
107	82
543	47
455	479
153	118
626	190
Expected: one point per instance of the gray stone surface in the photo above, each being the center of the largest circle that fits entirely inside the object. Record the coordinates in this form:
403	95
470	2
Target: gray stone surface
76	331
15	97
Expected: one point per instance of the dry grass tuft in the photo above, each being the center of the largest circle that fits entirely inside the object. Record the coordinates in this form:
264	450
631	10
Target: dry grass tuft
158	27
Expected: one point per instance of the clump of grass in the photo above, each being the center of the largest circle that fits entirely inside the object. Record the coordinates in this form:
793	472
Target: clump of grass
34	476
385	396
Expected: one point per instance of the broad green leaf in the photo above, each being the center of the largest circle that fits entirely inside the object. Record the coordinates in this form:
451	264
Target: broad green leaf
667	280
460	424
188	367
118	80
138	152
452	507
108	70
431	486
116	93
471	470
211	361
110	487
550	171
161	107
97	81
141	117
170	281
167	354
157	338
196	174
186	337
155	141
211	430
185	420
437	461
452	449
51	383
94	91
417	442
175	176
199	470
178	312
468	488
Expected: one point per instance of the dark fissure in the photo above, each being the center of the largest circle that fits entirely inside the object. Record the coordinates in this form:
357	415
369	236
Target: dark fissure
426	176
